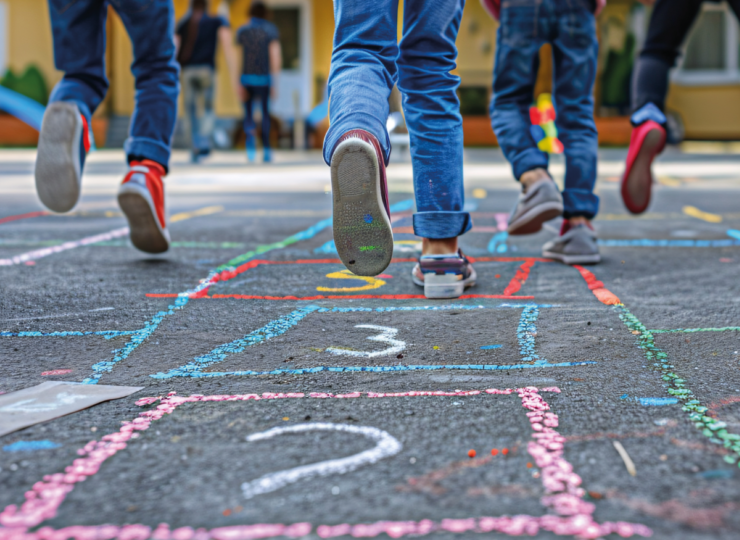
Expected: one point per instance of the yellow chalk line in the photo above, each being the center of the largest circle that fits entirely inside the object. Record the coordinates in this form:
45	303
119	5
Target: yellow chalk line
704	216
206	211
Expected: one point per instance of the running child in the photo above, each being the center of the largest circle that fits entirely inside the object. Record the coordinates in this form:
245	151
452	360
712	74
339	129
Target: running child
669	25
79	37
569	26
366	62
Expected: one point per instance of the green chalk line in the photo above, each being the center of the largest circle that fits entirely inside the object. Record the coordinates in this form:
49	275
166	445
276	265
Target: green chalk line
690	330
713	429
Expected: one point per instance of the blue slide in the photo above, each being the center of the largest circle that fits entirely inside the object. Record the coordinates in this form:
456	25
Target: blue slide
24	109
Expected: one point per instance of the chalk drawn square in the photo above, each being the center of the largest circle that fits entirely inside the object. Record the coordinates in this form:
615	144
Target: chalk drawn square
570	513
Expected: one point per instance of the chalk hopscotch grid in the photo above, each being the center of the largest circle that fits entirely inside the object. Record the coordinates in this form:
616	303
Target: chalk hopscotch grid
571	515
526	332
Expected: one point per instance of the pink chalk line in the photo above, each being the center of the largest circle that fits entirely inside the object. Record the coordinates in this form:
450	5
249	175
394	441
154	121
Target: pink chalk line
56	372
45	252
571	516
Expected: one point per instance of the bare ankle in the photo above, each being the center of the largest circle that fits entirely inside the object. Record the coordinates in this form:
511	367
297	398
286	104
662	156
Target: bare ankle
532	176
578	220
438	246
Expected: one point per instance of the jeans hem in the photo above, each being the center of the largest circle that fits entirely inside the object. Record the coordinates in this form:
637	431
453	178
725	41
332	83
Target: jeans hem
147	149
580	203
529	159
437	225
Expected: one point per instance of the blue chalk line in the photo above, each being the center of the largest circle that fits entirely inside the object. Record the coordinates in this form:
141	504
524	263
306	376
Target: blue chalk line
526	332
107	334
491	347
31	446
497	244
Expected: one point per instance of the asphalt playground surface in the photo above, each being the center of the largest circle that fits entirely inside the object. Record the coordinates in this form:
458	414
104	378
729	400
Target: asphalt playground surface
598	400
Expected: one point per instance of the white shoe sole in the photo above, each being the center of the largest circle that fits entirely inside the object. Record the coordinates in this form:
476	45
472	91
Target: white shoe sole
445	286
58	174
362	229
572	259
146	233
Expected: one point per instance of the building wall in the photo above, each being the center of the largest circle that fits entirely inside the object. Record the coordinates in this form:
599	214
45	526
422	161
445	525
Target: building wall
707	111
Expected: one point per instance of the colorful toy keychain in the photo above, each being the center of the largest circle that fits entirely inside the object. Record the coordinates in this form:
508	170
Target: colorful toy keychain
543	130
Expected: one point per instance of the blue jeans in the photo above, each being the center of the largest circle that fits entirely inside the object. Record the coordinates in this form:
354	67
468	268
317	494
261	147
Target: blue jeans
197	98
78	30
263	94
569	26
367	61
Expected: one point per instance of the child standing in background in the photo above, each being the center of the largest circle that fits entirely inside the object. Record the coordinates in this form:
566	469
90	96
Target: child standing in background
569	26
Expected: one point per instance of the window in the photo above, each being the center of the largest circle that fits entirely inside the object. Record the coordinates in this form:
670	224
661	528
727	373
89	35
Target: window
711	51
287	20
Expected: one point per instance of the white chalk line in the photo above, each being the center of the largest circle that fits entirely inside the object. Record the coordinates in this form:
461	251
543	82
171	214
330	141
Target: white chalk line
386	446
45	252
386	336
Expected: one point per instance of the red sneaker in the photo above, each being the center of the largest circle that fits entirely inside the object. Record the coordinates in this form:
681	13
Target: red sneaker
647	141
362	225
141	197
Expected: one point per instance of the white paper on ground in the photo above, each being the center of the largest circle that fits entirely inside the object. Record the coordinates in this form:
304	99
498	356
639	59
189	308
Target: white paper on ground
51	400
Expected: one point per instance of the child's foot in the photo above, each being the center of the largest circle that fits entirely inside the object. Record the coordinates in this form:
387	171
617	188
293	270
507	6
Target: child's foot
251	149
63	144
646	142
444	276
576	244
539	202
362	225
141	197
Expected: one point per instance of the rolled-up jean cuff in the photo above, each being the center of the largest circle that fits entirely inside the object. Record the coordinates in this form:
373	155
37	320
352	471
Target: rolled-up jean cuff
532	158
367	123
439	225
580	203
140	147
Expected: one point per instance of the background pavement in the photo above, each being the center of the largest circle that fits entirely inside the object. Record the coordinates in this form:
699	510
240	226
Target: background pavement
640	350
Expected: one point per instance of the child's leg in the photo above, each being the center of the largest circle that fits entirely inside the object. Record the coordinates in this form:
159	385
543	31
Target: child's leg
575	51
427	57
520	36
514	76
157	79
432	109
249	125
363	71
266	122
79	50
669	24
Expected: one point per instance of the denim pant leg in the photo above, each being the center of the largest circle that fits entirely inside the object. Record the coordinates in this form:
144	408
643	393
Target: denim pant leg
150	25
249	124
190	92
363	70
514	76
266	122
78	30
575	52
427	57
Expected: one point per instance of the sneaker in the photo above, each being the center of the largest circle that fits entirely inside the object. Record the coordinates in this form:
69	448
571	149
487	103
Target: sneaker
362	225
444	276
251	146
646	142
541	202
63	144
574	245
141	197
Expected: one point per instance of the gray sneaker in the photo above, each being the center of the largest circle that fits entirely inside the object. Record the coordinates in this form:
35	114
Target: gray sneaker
540	203
577	246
